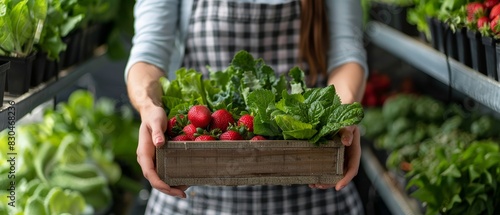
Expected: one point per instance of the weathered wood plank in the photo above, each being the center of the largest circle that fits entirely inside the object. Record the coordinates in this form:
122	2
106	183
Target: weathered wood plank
278	162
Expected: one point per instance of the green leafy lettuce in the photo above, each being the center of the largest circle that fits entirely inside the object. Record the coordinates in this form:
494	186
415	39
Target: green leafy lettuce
282	106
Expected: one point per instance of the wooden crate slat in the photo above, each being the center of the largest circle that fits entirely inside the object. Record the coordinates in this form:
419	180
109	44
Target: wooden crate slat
250	162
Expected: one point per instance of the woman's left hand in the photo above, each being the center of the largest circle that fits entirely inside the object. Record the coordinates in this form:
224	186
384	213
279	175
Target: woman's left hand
351	138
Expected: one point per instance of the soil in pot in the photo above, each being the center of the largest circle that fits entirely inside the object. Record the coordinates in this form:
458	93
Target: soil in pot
477	52
4	66
19	74
490	54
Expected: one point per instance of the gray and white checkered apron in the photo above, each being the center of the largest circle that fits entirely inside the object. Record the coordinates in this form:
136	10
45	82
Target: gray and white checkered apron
219	29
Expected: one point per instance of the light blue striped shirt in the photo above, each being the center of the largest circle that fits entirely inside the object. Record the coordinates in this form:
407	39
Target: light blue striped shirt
161	29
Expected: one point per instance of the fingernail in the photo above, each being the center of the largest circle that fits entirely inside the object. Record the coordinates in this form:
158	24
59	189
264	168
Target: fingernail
157	140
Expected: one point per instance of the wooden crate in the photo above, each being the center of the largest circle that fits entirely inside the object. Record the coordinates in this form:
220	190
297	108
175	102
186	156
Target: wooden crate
274	162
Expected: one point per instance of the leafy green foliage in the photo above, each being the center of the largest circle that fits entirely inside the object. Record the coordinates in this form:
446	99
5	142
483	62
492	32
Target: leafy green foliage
453	153
20	23
72	156
282	109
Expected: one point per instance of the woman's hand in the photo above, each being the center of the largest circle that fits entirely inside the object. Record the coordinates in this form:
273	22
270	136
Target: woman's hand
350	137
145	94
153	125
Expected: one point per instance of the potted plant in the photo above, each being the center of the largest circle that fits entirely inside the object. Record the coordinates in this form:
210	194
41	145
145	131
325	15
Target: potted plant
59	23
456	22
488	27
21	24
4	66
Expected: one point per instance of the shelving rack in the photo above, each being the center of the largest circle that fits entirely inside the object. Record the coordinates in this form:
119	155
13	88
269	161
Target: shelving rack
437	65
422	56
25	103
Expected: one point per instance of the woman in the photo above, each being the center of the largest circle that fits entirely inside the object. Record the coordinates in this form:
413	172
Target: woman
323	37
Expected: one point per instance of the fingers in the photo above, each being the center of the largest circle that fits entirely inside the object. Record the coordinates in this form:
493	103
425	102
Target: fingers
346	135
145	158
352	160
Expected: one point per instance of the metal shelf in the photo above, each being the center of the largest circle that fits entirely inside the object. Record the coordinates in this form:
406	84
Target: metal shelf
397	201
422	56
25	103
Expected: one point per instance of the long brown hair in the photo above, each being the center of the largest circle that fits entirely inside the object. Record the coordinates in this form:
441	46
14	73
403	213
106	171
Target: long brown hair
314	42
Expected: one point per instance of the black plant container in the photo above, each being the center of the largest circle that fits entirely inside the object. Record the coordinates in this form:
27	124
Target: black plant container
73	46
433	28
463	47
450	42
4	67
38	70
19	74
440	34
498	59
491	57
104	30
89	41
394	16
52	69
477	52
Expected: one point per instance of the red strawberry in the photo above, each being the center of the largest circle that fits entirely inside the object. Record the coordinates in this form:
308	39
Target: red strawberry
258	137
482	21
230	135
204	137
181	137
173	125
221	119
189	131
474	10
495	28
199	116
491	3
495	11
247	121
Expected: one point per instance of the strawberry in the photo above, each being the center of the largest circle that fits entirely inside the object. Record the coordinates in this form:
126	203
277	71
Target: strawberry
495	11
247	121
199	116
175	125
230	135
258	137
475	10
204	137
482	21
221	119
494	26
181	137
490	3
189	131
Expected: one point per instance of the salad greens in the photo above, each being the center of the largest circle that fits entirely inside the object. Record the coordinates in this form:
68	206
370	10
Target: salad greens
21	23
453	155
283	106
72	157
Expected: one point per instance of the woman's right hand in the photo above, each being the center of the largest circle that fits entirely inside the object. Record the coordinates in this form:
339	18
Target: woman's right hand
145	93
151	135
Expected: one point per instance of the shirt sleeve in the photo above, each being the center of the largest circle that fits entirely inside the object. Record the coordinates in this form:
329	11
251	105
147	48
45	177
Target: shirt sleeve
345	20
156	25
